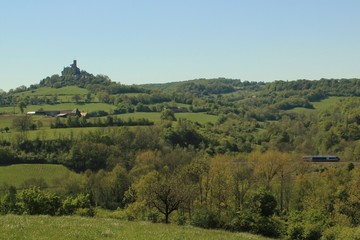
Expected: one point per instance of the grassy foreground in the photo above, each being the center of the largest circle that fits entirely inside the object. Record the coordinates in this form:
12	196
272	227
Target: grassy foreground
46	227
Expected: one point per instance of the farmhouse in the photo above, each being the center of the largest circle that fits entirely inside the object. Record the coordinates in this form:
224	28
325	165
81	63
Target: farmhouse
56	113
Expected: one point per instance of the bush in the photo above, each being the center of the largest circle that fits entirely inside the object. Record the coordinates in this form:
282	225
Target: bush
341	233
79	205
100	113
7	155
33	201
153	216
8	203
85	212
206	219
136	211
248	221
307	225
181	219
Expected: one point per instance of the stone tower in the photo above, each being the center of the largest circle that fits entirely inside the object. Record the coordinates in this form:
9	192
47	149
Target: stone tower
74	65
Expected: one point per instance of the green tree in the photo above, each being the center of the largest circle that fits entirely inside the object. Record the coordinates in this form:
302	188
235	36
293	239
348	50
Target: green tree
8	203
21	106
76	98
264	203
165	193
220	195
168	114
22	123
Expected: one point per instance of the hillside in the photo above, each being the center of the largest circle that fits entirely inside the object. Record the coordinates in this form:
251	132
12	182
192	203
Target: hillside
212	153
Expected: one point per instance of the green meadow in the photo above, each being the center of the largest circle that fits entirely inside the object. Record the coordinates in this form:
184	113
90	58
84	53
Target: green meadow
18	173
155	116
322	105
88	107
46	227
48	91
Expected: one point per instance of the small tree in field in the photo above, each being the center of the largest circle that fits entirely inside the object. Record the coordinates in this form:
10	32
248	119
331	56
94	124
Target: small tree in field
22	123
22	106
168	114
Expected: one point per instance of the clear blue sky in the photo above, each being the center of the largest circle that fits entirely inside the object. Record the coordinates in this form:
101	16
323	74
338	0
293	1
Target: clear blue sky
158	41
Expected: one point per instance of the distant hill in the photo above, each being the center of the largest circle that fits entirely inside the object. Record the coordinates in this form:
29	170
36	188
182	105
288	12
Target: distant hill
73	76
205	86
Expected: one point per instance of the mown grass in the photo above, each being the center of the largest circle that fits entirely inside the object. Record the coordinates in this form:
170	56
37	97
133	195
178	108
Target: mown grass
46	227
18	173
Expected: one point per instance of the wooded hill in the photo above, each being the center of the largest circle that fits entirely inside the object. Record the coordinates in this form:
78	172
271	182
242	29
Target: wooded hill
215	153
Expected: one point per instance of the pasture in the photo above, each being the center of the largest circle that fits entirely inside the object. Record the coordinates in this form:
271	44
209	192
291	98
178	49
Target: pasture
73	227
319	106
48	91
88	107
18	173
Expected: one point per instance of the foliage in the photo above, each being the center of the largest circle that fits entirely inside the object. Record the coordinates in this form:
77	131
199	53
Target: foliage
34	201
235	162
23	123
168	114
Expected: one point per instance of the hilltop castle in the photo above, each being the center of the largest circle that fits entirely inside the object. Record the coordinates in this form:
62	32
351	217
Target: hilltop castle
72	70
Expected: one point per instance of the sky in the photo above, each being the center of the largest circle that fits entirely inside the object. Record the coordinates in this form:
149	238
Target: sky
158	41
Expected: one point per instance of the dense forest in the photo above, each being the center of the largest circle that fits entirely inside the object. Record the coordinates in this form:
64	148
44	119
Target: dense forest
243	172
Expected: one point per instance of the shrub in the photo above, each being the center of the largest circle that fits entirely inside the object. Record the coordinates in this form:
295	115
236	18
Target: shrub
33	201
8	203
307	225
341	233
247	221
206	219
79	204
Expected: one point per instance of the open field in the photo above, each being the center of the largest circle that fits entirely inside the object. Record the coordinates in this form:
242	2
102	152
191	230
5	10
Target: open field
16	174
88	107
48	91
46	227
320	106
46	132
155	116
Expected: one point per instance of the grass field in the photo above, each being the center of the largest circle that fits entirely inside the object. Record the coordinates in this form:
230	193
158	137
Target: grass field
320	106
48	91
88	107
16	174
155	116
46	227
